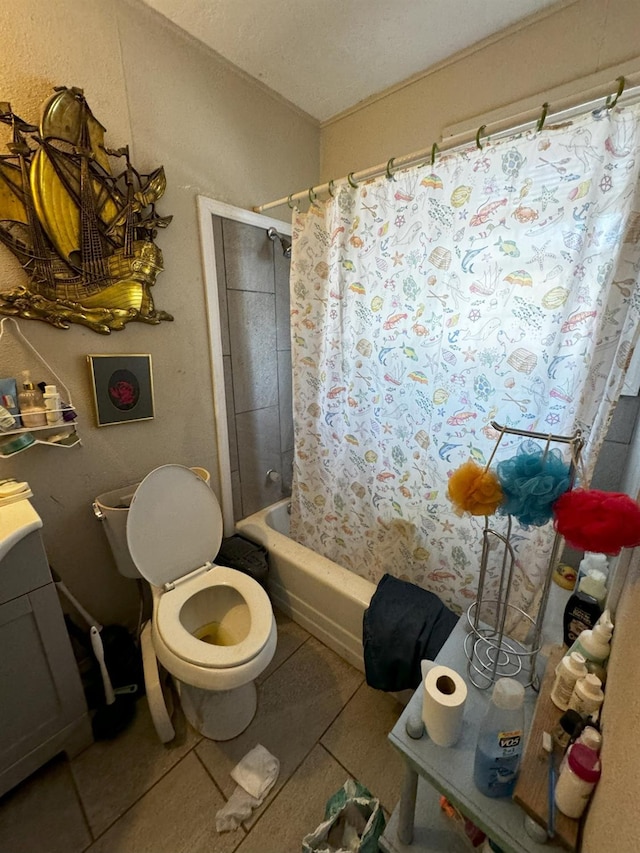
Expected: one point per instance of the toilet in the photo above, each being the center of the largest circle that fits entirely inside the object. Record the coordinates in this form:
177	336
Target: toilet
212	627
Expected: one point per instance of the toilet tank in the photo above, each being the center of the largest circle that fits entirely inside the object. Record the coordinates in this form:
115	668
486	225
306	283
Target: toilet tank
112	508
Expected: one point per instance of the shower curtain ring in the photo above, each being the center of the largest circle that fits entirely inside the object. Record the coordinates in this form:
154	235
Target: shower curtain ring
389	165
312	196
330	188
434	150
352	183
289	201
481	129
543	117
610	104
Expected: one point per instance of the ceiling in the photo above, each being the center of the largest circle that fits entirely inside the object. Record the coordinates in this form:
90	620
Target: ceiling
324	56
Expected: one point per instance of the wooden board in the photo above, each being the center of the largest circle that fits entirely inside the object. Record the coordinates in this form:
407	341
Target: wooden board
531	791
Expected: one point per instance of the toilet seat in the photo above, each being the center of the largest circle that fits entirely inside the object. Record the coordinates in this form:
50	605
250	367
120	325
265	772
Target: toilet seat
174	532
182	642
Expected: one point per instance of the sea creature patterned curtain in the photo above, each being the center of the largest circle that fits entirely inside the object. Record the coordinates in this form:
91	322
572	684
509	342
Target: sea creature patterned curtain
498	284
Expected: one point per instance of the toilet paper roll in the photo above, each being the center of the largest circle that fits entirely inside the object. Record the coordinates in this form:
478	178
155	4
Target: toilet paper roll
444	696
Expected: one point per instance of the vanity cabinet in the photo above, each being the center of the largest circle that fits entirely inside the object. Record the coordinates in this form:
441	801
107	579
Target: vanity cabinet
42	704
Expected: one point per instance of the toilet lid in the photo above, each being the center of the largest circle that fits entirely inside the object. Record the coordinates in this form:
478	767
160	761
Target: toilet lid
174	524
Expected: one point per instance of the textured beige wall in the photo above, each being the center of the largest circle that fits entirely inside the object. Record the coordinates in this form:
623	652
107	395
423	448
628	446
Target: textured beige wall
217	134
578	39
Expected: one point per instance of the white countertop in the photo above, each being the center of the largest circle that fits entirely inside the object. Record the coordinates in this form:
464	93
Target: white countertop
17	520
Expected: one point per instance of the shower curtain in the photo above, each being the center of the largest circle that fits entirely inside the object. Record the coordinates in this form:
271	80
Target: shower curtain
499	283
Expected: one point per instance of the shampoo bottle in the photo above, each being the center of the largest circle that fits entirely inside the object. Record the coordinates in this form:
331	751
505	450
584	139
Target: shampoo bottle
31	403
500	740
584	607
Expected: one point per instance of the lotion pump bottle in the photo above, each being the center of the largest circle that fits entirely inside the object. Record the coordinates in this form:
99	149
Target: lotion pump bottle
595	645
31	403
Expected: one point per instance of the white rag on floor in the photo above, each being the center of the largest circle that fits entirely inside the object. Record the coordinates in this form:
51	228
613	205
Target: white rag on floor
256	775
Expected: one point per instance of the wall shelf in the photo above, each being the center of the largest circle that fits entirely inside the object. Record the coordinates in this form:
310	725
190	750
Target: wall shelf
44	433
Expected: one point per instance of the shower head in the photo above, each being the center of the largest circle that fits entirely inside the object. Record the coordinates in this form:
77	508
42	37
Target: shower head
285	242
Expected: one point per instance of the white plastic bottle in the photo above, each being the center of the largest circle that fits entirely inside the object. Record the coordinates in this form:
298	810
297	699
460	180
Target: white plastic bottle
500	740
589	737
592	562
569	670
53	405
594	583
587	696
577	780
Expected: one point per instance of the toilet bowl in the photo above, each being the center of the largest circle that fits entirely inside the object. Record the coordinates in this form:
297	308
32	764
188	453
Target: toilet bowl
212	627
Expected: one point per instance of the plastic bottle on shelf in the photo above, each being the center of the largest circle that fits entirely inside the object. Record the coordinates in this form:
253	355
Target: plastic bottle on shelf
594	583
500	740
53	405
565	729
587	696
583	608
595	645
592	562
589	737
577	780
31	403
569	670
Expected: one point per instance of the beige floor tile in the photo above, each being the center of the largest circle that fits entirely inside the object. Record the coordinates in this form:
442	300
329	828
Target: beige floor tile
295	705
112	775
358	740
298	808
176	816
43	813
290	637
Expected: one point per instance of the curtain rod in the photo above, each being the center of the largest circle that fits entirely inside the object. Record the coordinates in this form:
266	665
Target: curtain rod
502	128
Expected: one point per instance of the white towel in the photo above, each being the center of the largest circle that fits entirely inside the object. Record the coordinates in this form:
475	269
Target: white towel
256	775
257	772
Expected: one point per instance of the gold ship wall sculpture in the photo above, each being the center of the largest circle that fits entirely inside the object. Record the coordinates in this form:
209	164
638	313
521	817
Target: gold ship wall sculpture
83	234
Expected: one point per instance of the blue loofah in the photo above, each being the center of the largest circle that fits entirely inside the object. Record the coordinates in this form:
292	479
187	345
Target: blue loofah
531	482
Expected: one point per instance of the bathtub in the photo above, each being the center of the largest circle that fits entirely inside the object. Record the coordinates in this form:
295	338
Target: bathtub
327	600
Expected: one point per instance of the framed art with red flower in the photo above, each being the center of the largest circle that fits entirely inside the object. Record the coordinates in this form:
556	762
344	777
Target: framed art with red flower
122	388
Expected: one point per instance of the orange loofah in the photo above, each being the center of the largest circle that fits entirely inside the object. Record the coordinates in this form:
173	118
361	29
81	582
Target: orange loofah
474	490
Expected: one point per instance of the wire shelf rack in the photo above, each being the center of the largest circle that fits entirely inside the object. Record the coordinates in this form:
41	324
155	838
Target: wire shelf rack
491	650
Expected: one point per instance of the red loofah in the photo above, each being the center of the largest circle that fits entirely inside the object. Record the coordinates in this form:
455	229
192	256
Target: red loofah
603	522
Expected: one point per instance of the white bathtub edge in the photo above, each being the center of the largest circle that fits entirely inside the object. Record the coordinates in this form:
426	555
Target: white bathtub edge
327	600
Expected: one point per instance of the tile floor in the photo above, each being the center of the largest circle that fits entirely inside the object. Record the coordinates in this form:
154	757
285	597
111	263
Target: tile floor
135	795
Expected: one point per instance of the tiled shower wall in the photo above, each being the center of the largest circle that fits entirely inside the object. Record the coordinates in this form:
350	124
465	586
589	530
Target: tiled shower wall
253	292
